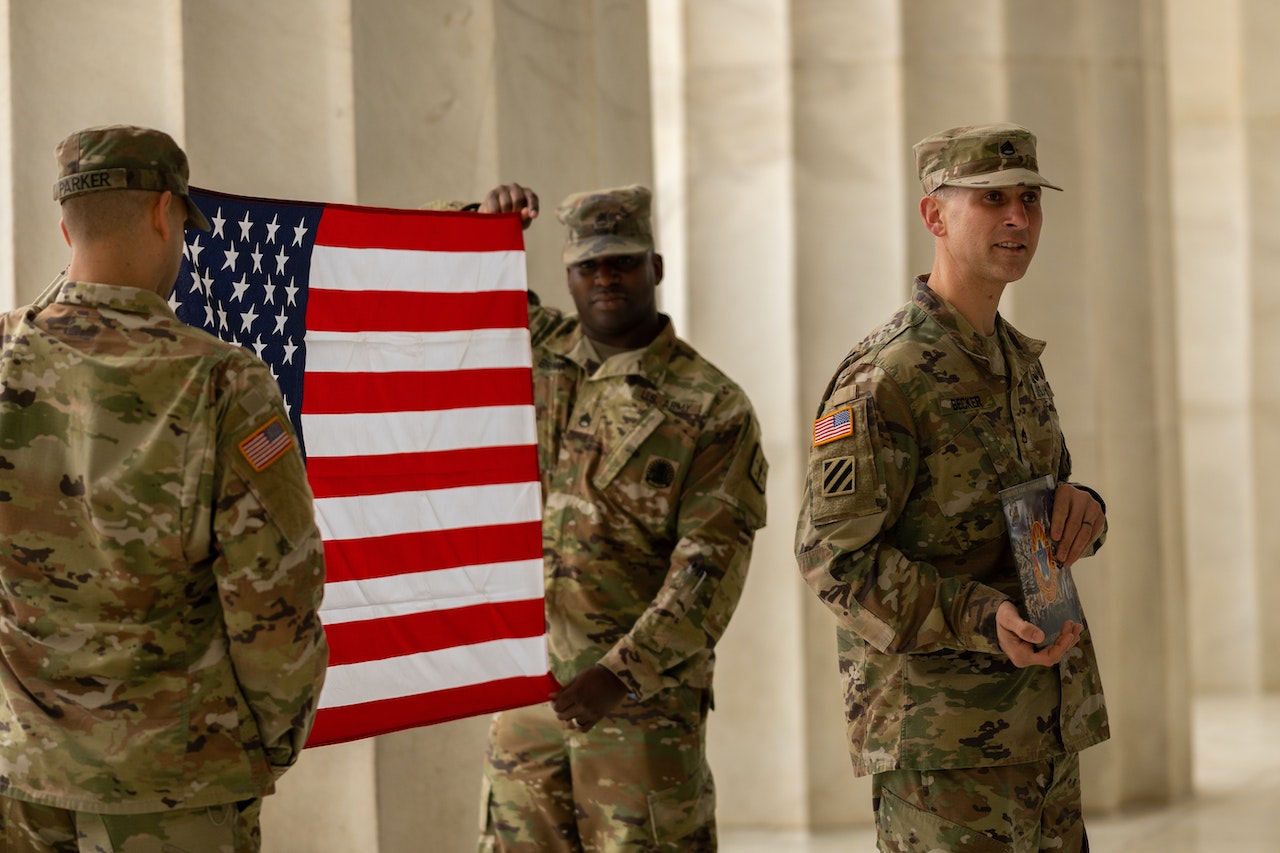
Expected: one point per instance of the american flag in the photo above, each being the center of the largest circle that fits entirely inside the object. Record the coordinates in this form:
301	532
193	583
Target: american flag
400	342
838	424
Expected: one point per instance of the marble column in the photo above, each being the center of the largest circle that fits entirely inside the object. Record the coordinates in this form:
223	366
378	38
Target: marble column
797	201
452	98
268	99
1084	76
1224	111
60	77
726	182
1261	135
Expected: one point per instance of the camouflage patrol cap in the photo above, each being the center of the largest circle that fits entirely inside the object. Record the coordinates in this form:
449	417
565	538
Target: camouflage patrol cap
606	222
983	155
122	157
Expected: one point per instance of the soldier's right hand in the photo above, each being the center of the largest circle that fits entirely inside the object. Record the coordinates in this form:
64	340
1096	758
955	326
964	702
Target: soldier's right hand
1017	638
588	697
512	198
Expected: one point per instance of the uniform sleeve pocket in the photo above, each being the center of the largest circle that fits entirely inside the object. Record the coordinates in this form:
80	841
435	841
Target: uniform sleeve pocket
843	479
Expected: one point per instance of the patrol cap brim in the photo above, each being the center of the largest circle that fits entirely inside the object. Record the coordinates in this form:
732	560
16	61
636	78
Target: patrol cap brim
1004	178
195	216
602	246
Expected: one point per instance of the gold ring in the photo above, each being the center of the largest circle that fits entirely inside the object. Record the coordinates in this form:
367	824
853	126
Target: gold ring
1090	523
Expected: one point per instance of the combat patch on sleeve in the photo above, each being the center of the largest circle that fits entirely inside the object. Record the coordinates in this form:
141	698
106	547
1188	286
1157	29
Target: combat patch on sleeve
838	424
266	444
838	476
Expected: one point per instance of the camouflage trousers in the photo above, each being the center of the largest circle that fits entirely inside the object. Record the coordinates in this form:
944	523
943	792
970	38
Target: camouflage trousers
637	782
32	828
1017	808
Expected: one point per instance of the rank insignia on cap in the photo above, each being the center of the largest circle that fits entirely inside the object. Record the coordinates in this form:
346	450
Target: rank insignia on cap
838	424
267	444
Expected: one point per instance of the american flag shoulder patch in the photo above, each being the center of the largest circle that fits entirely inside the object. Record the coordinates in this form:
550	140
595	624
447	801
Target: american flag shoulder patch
266	444
838	424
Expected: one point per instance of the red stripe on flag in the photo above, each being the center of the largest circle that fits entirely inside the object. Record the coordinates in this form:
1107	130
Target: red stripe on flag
352	393
346	476
427	231
399	311
425	551
429	631
350	722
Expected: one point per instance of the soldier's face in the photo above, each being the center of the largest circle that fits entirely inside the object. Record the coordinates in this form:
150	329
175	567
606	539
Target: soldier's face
991	234
615	298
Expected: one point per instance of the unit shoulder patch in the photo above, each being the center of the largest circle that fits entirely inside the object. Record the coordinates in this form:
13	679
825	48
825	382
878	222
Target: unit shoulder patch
838	476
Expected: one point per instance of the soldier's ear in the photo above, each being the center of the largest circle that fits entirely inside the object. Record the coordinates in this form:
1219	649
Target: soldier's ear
657	269
159	211
931	213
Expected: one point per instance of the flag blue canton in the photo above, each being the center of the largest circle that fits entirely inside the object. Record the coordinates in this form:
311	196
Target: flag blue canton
246	282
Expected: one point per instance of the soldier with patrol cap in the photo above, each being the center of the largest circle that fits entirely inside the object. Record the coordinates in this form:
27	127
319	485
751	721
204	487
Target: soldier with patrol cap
160	567
653	479
971	733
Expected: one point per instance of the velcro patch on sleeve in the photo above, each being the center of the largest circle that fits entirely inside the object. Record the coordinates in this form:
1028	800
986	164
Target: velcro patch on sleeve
266	444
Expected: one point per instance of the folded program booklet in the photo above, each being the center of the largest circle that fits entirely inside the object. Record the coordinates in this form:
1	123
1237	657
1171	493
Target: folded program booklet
1049	595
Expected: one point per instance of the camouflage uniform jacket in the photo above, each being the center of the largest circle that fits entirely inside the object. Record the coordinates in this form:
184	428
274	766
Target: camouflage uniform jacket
653	479
902	535
159	639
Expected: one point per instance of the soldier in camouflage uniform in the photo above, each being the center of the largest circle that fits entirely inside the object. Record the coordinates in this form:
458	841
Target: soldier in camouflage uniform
970	732
653	478
160	567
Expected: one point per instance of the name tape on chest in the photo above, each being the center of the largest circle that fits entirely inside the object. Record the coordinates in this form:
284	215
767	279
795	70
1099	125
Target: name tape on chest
964	403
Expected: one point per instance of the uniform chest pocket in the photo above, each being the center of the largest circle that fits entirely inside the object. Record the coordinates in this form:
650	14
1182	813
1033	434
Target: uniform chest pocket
625	447
1039	434
960	467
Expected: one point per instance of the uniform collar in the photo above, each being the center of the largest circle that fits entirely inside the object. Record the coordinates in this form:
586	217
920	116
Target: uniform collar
650	362
1008	352
129	300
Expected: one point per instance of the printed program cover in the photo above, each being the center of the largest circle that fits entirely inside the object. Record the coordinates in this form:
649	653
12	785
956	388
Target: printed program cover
1048	592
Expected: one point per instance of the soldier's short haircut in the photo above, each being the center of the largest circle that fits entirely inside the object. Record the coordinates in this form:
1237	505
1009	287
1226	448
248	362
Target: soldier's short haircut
99	216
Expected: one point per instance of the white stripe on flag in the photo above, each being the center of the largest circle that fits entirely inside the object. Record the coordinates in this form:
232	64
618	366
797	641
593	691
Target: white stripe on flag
393	352
344	268
460	666
366	516
425	592
383	433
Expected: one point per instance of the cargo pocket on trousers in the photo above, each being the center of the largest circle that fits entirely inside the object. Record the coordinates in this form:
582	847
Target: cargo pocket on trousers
903	828
681	810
